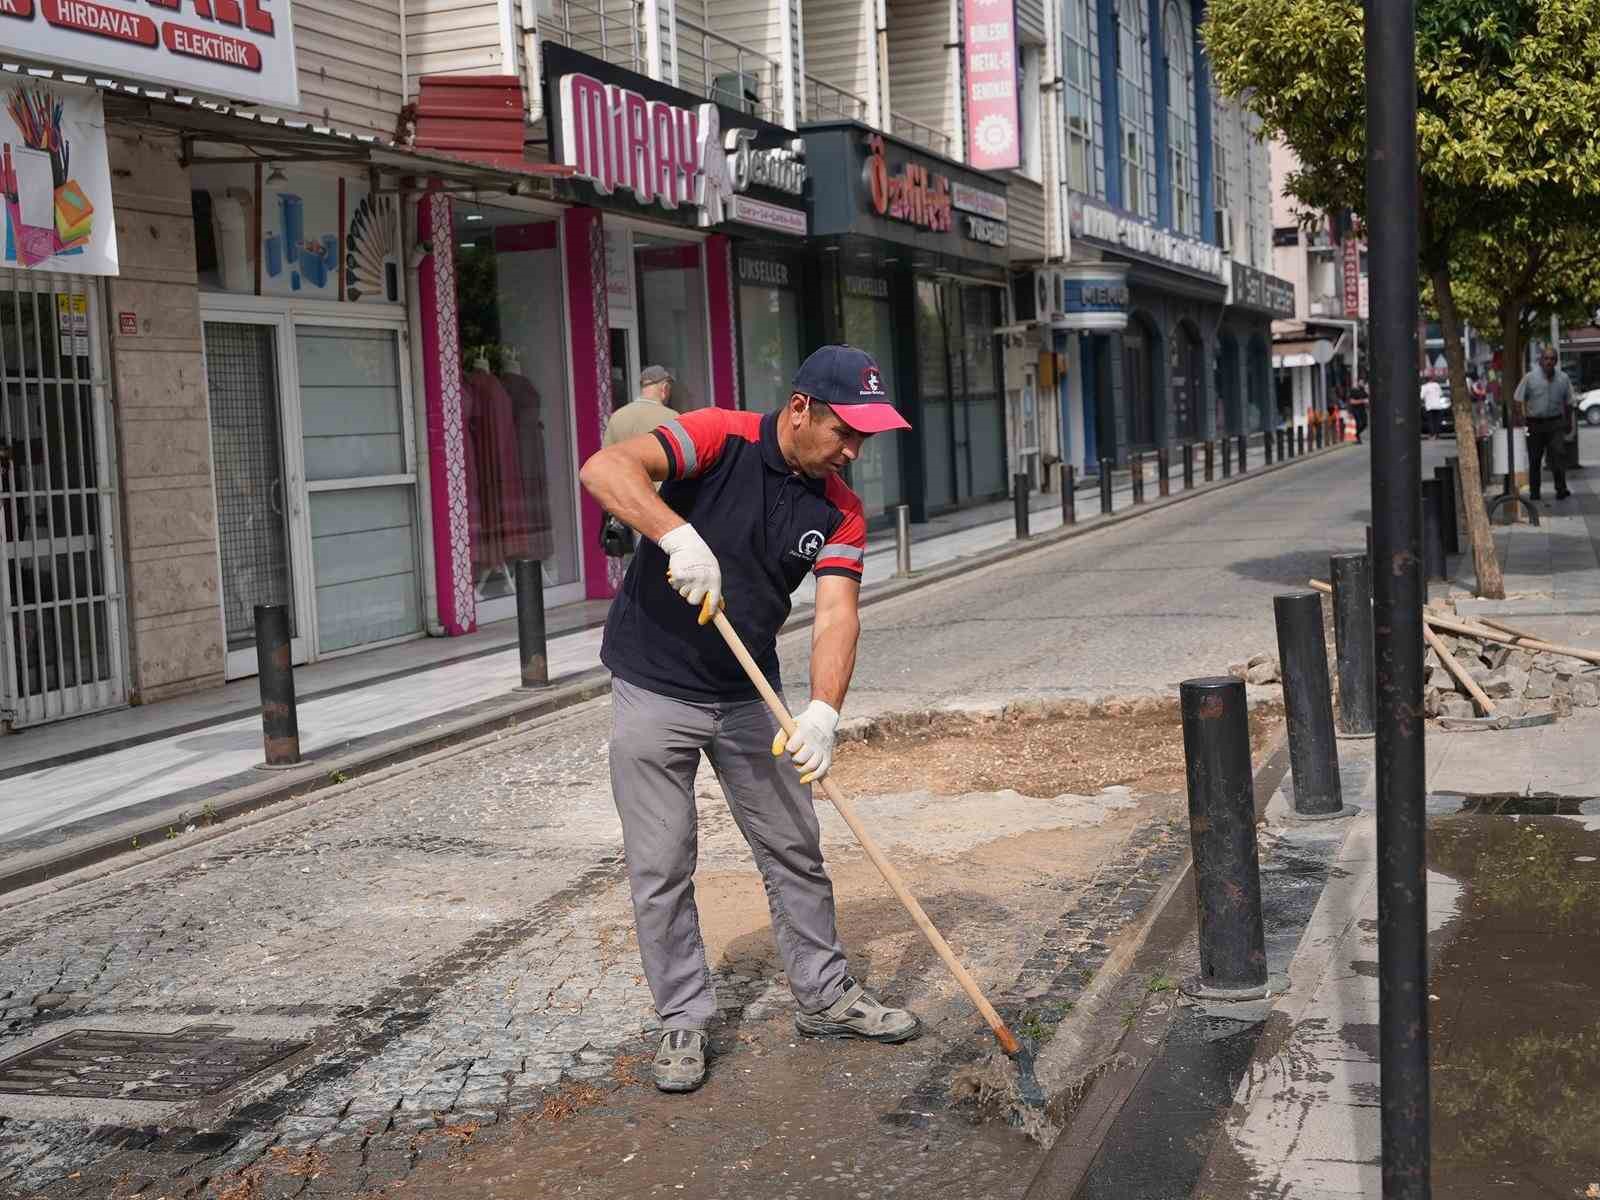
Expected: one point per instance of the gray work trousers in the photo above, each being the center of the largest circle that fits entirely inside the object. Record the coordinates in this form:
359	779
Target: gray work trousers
656	743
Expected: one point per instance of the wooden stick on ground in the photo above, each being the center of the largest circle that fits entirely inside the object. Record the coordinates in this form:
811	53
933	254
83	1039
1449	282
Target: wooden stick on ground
1483	634
1456	669
1504	628
1319	586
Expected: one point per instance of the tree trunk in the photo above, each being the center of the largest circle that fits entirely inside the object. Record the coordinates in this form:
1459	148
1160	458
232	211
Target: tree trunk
1491	583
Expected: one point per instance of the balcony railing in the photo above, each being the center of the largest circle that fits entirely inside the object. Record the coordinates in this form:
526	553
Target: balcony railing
612	30
729	72
824	102
925	136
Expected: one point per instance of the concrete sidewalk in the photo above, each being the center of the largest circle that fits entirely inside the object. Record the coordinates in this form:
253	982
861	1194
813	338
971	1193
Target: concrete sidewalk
1514	839
68	792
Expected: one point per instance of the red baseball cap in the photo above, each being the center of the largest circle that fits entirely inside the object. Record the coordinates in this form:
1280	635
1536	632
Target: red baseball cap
848	381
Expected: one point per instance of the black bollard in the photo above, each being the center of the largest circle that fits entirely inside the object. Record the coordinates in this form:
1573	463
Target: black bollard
530	624
1446	475
1299	441
1308	704
1227	458
1019	503
280	726
1433	530
1351	575
1244	453
1222	834
1105	486
1210	461
1164	471
1317	435
1069	495
1266	446
1136	471
1188	466
1282	446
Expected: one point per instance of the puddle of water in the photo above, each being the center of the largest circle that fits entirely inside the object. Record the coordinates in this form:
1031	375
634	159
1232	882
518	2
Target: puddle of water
1515	1035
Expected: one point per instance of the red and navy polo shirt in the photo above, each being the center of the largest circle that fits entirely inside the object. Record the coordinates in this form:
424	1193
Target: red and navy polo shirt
767	525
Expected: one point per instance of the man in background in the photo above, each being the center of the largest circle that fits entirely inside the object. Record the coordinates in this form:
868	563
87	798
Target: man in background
651	410
1359	401
1545	394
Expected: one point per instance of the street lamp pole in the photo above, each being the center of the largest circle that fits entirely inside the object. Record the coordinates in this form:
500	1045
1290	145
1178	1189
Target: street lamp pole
1398	594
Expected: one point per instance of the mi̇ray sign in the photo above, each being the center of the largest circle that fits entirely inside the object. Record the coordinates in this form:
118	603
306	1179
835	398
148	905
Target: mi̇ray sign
234	49
674	155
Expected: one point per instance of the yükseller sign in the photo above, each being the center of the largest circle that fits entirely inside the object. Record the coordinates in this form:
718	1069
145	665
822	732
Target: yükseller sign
235	49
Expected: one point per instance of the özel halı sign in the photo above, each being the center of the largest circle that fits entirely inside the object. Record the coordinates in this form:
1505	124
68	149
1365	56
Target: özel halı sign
234	49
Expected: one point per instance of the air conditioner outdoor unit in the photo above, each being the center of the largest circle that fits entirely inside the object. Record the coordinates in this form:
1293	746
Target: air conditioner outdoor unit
1225	229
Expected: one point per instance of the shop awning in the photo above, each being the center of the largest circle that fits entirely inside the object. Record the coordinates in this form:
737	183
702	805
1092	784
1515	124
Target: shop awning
1302	354
216	132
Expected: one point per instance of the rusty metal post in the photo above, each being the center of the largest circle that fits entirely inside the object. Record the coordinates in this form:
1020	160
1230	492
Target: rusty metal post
1210	460
1227	458
1188	466
1351	575
280	726
1164	471
1244	453
1222	834
1266	446
1136	471
1105	486
1069	495
1020	484
1308	704
530	625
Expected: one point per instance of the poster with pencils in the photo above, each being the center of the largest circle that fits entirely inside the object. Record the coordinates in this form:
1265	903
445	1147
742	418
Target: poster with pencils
55	179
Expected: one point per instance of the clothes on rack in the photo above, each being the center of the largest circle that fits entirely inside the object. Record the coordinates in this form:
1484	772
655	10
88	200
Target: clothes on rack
497	500
527	410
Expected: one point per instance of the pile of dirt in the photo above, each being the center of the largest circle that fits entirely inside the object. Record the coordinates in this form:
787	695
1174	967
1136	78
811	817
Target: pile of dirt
1135	745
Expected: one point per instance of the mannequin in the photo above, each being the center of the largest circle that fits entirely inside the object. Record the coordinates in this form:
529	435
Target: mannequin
527	407
497	492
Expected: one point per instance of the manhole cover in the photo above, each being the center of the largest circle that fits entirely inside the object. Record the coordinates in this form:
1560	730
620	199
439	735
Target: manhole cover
104	1064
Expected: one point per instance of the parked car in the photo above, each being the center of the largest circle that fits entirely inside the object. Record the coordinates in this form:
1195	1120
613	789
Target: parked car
1589	406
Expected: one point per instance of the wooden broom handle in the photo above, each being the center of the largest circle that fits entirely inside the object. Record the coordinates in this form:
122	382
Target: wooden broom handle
1003	1035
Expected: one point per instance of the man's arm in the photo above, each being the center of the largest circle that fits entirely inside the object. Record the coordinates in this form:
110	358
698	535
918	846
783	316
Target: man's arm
834	632
622	477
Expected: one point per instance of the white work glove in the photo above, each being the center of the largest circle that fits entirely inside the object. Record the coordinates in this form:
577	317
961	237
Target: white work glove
811	745
692	569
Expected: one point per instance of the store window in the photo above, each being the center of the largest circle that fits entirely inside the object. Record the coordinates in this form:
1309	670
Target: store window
875	476
521	490
672	316
769	324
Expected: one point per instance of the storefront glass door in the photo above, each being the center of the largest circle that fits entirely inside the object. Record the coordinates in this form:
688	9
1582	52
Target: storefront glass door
256	482
981	425
963	417
60	600
672	316
517	401
933	385
876	473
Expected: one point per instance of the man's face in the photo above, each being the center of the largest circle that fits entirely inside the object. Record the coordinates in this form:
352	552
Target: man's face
1547	360
822	444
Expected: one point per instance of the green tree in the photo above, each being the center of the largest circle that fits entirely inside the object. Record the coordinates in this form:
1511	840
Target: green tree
1508	124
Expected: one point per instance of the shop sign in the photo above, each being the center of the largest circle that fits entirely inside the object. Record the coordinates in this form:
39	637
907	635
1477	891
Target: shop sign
1091	297
670	154
765	272
1262	292
57	181
236	49
916	195
870	286
990	43
982	229
975	200
1102	223
128	324
1352	276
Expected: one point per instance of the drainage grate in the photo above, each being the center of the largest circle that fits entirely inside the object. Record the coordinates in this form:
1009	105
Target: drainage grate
104	1064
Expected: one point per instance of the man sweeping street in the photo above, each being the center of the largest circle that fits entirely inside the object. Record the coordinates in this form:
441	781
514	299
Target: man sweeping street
749	504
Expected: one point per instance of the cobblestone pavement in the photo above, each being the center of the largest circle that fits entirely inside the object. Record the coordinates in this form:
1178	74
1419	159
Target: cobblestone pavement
450	944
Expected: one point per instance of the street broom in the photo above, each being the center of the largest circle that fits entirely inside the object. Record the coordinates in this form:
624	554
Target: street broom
1015	1048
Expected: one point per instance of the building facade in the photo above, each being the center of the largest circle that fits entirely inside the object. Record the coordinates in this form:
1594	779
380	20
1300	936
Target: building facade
336	330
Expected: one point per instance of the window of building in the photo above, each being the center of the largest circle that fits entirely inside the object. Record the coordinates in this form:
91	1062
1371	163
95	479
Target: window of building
1136	134
1257	194
1183	152
1028	109
1077	80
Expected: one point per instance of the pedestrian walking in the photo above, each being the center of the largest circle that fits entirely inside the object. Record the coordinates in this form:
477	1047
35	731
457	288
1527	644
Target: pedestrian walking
1545	394
1434	406
749	504
1359	401
651	408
